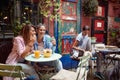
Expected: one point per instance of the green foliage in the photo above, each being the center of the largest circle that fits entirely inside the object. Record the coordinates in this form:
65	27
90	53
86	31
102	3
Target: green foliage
89	7
18	26
113	31
49	8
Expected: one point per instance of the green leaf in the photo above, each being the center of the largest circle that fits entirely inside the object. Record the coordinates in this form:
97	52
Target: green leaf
91	7
45	9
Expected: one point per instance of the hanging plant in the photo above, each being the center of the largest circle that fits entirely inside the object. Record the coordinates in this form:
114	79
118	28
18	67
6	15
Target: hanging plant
49	8
89	7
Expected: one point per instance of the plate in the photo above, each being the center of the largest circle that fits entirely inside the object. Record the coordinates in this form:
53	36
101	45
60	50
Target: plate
35	57
111	47
100	48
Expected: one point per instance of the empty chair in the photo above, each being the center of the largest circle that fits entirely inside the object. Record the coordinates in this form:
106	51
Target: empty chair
14	71
114	73
95	49
80	74
113	58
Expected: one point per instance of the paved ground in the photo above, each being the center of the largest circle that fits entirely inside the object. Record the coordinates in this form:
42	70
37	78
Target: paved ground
103	69
90	73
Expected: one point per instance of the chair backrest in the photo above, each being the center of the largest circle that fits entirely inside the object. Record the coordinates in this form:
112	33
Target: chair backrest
5	49
83	67
7	70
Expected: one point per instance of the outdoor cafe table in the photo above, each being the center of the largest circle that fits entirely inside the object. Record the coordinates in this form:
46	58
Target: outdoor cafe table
109	50
53	57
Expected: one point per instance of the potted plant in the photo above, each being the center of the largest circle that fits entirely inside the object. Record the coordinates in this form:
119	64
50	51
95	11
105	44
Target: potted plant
113	31
93	39
89	7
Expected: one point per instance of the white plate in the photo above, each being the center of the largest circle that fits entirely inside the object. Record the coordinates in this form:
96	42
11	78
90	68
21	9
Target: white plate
35	57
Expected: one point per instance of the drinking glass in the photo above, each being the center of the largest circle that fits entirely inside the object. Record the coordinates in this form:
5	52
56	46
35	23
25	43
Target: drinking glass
36	53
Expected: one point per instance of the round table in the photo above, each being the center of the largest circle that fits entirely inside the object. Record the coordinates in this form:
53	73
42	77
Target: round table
53	57
108	51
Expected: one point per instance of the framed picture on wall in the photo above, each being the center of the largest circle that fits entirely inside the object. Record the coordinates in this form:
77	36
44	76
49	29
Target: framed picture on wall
69	8
99	25
100	11
68	26
69	11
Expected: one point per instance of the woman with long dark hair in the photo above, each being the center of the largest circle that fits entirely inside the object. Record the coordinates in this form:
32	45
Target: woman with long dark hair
22	46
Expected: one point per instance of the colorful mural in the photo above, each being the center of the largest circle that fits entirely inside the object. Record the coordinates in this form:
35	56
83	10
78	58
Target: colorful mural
69	11
68	26
68	30
68	8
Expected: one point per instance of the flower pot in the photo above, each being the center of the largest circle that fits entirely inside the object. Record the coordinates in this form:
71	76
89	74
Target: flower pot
93	39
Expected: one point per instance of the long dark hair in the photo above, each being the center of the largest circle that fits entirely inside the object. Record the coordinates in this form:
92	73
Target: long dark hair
25	32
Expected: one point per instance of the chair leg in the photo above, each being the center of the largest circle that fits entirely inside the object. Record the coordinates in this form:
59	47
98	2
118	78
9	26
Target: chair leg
92	65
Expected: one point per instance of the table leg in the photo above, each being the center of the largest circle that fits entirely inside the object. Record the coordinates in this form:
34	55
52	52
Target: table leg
106	66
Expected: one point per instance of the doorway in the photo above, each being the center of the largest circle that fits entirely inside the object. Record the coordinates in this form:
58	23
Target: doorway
99	23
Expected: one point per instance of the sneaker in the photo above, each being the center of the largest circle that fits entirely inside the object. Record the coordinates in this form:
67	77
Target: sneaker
99	75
